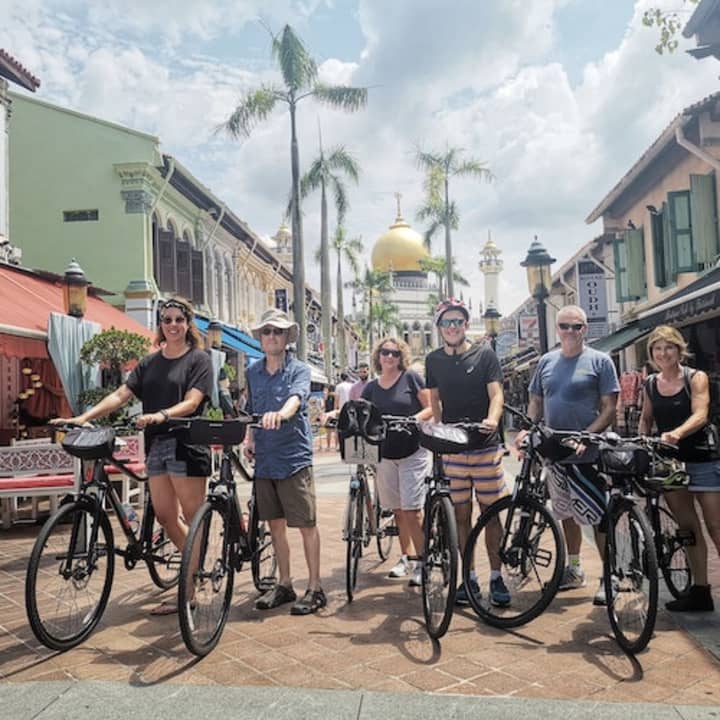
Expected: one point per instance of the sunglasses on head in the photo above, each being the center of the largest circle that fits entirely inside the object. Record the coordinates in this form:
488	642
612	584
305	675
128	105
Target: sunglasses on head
571	326
169	321
451	322
272	331
390	353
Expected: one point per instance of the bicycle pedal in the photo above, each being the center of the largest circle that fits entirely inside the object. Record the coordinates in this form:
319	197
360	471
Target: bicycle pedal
543	557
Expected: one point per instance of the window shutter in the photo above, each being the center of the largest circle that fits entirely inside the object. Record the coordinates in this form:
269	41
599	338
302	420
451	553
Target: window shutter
703	210
198	278
182	250
658	244
635	247
621	268
165	273
681	231
668	249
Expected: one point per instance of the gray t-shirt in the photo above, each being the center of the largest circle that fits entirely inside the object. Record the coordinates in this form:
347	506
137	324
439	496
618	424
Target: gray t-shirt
571	387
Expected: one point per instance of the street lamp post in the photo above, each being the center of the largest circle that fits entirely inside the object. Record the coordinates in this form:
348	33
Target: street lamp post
537	264
492	324
75	286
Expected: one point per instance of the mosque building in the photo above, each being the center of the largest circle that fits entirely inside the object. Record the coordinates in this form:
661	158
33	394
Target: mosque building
399	251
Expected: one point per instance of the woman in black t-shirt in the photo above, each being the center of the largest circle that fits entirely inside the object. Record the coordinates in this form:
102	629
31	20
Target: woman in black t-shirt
172	382
402	471
676	399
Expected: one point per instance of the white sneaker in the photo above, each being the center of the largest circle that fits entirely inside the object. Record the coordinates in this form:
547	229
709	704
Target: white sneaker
416	577
402	569
600	598
572	577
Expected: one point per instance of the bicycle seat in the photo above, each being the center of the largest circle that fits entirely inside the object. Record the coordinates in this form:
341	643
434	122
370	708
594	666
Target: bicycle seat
89	443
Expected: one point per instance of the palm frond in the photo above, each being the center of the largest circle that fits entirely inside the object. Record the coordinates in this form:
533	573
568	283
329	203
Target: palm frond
252	109
297	67
343	97
427	160
460	279
430	232
313	178
339	192
343	160
473	168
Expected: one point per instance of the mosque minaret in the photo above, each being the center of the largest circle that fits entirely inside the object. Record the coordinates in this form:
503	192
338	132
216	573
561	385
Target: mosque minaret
490	266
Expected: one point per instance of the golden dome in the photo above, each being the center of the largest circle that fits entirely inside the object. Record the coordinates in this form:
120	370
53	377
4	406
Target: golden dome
399	249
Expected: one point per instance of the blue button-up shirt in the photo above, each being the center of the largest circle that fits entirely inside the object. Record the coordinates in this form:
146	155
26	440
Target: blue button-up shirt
280	453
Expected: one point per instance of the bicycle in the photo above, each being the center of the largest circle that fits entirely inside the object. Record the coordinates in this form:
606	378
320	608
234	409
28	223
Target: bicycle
219	540
364	516
531	549
72	563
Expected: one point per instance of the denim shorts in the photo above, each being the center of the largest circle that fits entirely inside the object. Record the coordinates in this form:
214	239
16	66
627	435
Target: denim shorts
161	459
704	476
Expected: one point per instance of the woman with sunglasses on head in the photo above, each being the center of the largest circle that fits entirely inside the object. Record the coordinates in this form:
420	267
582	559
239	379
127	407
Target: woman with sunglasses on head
172	382
676	400
402	471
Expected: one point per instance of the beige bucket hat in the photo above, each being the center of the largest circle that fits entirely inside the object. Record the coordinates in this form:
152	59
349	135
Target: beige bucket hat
276	318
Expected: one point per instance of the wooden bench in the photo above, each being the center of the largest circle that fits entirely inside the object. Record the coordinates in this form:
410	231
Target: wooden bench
34	470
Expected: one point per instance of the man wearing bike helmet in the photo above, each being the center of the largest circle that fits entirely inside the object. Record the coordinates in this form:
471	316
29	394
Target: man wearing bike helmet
465	383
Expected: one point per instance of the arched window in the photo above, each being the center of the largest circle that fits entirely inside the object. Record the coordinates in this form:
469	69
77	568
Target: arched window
165	258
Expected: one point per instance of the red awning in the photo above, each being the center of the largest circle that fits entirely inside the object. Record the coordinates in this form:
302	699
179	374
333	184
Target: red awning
27	300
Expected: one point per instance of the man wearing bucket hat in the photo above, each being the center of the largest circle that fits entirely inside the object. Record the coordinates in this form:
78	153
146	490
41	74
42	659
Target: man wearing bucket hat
278	389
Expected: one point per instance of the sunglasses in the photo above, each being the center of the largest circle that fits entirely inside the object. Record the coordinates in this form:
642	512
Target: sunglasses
451	322
571	326
272	331
169	321
390	353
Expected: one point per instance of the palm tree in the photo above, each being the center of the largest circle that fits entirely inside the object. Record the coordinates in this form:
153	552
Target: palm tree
348	249
385	315
375	285
437	265
439	168
300	78
325	173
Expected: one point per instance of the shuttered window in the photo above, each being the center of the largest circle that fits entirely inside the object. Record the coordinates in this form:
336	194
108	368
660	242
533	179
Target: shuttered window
703	211
198	278
182	254
629	254
165	272
681	231
662	276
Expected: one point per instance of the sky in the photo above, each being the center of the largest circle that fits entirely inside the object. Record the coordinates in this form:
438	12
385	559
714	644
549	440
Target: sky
558	97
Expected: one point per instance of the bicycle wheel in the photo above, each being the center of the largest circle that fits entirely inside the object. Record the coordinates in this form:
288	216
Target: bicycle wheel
630	573
206	579
439	566
263	562
354	542
384	518
672	555
70	575
164	560
532	557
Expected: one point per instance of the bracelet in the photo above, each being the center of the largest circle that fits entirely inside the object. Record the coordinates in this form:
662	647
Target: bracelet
165	414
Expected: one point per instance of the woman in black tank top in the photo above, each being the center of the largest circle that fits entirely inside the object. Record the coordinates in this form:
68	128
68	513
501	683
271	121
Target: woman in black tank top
676	400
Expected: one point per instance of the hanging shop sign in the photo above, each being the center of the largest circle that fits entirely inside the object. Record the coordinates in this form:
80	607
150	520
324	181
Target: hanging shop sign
592	297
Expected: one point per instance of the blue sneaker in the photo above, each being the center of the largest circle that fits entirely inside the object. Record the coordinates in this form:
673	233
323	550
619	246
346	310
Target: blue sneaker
499	595
461	597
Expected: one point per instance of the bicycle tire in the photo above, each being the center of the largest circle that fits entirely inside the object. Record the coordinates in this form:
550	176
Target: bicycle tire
61	606
207	575
630	574
386	531
439	566
163	562
354	541
263	562
532	555
672	555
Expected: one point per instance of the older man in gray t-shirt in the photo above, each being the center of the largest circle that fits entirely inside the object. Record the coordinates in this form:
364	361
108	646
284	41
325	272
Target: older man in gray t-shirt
576	388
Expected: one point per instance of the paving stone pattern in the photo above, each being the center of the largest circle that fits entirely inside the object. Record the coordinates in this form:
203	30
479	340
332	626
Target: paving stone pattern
377	642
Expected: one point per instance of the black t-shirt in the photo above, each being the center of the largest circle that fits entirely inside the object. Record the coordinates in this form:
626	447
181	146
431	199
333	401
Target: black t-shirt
161	383
462	381
399	399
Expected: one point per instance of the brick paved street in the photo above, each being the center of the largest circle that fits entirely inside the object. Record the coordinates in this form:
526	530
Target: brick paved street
376	643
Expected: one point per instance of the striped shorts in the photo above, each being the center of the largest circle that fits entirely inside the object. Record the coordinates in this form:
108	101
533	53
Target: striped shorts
479	470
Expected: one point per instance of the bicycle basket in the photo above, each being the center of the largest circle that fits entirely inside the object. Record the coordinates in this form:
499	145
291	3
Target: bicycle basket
357	450
89	443
213	432
628	459
360	418
444	439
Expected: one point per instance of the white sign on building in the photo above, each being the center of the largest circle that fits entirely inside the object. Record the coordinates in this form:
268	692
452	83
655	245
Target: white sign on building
592	297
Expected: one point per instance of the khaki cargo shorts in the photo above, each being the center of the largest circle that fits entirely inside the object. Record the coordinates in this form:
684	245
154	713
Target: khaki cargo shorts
292	498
